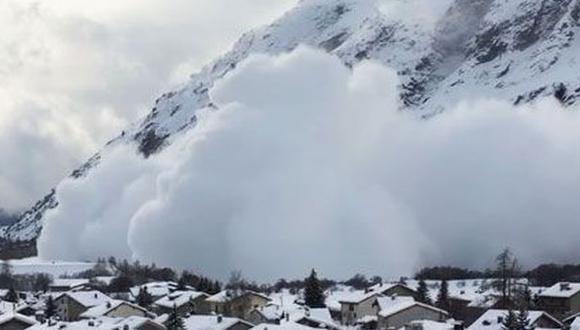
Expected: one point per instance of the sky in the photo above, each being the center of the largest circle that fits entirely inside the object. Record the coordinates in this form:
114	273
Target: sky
74	73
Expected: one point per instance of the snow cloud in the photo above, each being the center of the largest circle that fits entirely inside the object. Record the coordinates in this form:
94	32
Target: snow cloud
309	164
74	73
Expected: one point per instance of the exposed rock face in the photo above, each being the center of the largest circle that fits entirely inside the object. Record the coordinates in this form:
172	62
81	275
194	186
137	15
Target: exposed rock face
517	50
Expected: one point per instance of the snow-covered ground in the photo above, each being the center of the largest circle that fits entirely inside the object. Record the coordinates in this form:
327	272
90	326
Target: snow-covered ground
55	268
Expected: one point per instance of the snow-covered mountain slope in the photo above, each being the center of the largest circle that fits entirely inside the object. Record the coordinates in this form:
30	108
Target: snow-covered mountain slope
515	50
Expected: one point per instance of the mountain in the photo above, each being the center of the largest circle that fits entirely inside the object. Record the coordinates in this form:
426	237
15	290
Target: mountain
516	50
6	218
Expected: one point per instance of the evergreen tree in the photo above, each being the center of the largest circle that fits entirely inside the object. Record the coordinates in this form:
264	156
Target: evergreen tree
174	321
423	292
6	276
50	309
11	296
313	295
443	296
509	322
144	299
522	321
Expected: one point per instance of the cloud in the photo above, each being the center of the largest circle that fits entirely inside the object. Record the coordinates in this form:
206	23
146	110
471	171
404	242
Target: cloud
78	72
308	164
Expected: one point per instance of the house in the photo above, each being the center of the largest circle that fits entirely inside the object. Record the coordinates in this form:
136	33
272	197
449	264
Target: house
317	318
15	321
186	302
103	323
493	318
561	299
157	290
270	313
285	326
396	312
236	303
204	322
70	305
69	284
394	289
356	305
116	308
430	325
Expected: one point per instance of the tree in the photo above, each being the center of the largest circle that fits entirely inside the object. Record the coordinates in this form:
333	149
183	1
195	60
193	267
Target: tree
50	309
509	322
174	321
6	276
507	270
120	283
144	298
42	282
443	296
313	295
11	296
423	292
523	319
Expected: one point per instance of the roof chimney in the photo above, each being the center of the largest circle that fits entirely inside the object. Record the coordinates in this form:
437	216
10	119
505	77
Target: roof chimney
564	286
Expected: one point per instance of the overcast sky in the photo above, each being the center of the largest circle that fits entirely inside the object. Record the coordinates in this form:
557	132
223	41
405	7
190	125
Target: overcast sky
73	73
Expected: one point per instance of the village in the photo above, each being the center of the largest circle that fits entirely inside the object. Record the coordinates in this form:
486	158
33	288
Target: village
107	297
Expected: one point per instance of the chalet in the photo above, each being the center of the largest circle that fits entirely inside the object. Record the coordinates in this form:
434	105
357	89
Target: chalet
69	284
204	322
493	318
236	303
186	302
270	313
284	326
104	323
70	305
317	318
396	312
431	325
561	299
393	289
356	305
157	290
15	321
116	308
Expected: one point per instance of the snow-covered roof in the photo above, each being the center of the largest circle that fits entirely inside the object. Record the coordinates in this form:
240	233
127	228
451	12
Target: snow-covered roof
284	326
103	309
5	318
271	311
7	307
69	282
432	325
156	289
561	290
103	323
227	295
356	297
392	305
88	298
179	298
382	287
105	279
575	325
491	319
211	322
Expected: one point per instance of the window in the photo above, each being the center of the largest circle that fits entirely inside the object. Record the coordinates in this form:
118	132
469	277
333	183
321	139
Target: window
351	307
